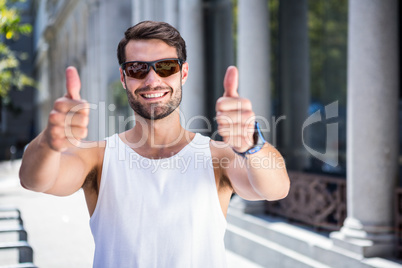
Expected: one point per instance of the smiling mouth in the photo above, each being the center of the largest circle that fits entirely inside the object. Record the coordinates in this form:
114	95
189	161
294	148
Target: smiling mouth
154	95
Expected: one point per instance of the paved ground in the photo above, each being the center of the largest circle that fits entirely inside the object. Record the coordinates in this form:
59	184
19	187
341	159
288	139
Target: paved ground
58	227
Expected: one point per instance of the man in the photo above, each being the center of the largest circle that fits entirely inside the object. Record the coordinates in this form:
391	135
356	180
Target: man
157	193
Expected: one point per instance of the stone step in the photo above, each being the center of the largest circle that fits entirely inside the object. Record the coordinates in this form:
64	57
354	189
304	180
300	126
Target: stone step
21	265
270	242
264	252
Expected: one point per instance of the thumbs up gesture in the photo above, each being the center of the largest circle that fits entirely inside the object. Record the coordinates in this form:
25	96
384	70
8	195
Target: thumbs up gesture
234	115
68	120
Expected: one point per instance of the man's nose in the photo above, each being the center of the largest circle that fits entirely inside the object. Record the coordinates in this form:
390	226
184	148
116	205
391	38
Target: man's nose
152	78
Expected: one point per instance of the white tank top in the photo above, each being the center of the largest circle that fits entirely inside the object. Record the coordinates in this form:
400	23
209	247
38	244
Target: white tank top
158	212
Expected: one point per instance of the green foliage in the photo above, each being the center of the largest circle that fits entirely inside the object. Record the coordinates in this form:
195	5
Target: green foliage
235	14
327	22
327	32
119	94
10	29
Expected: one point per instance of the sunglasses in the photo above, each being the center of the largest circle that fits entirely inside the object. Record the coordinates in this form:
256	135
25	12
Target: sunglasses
140	69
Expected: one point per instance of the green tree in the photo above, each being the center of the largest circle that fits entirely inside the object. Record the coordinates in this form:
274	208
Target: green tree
11	27
328	27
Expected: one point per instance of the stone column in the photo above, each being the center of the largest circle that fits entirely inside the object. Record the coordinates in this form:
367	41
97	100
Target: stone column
102	61
94	91
171	15
148	10
372	127
253	61
294	85
137	11
190	25
253	55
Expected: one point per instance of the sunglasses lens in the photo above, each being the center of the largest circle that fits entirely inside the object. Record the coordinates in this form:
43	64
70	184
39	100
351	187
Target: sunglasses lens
167	67
163	68
138	70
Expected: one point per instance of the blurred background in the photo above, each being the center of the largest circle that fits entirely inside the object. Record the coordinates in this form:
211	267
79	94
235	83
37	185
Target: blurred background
324	80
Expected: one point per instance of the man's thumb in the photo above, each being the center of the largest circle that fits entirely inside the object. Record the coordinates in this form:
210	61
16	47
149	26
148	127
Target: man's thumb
231	82
73	83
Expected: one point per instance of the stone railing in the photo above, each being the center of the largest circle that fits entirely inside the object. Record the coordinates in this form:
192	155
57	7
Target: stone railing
318	201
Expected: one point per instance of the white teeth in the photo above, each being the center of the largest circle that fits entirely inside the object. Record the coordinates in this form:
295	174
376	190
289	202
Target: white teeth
150	96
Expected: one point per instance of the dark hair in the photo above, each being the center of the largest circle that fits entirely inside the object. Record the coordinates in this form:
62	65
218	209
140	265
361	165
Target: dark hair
152	30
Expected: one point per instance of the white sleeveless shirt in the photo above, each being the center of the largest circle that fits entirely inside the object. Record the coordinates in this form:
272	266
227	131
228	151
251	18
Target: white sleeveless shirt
158	212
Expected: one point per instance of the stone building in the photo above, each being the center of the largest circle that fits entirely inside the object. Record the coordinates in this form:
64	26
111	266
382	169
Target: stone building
85	34
17	125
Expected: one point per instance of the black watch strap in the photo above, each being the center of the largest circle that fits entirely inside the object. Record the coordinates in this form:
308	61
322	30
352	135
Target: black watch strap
259	142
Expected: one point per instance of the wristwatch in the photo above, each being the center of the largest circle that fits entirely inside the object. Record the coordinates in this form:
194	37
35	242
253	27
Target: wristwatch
259	142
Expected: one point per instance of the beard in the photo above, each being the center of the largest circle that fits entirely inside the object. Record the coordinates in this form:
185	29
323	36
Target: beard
154	111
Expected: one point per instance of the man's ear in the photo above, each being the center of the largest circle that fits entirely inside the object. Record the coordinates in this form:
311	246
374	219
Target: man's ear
122	78
184	73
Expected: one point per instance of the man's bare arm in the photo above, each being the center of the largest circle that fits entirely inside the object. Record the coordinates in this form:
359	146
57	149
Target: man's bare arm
261	175
266	174
53	162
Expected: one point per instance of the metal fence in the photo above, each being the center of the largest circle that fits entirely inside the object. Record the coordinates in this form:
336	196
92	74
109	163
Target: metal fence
316	200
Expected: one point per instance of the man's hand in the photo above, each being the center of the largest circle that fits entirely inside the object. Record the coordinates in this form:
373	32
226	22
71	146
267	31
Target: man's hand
234	115
69	118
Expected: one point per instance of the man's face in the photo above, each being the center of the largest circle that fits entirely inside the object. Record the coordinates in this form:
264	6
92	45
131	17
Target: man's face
153	97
